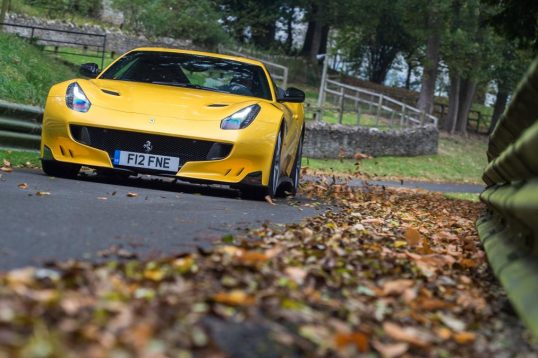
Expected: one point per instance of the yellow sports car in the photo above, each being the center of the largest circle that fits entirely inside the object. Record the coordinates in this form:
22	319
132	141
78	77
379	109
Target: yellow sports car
201	117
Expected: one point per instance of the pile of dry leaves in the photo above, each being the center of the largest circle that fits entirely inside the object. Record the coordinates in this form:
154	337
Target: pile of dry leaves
386	272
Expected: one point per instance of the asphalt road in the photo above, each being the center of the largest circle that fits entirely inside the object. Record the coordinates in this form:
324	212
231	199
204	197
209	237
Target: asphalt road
76	221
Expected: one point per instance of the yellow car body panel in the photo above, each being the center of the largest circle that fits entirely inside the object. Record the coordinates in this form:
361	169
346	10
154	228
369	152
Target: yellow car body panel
176	112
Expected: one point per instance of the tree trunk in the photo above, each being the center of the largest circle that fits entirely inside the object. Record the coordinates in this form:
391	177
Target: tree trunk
316	41
453	102
324	39
467	92
429	77
408	76
499	107
307	44
289	30
5	5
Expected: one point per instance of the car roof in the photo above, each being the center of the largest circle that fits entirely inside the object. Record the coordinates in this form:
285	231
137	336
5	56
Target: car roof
201	53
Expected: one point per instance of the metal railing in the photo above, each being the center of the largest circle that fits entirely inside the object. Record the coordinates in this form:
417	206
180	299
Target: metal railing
20	126
509	228
92	44
279	73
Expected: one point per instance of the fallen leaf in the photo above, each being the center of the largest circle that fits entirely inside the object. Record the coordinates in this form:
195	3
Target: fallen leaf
464	337
42	193
412	236
297	274
234	298
23	186
396	287
102	198
7	164
132	195
269	200
6	169
357	339
452	322
390	350
411	335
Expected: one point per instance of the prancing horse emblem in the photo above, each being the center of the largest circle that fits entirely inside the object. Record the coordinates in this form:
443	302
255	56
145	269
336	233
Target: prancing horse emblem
148	147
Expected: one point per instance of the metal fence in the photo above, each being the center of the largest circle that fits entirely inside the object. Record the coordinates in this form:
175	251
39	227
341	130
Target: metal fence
279	73
91	44
20	126
509	228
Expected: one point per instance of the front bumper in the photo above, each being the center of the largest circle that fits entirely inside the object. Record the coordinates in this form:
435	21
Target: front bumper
251	148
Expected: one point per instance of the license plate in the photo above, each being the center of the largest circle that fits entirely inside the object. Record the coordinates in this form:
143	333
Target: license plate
148	161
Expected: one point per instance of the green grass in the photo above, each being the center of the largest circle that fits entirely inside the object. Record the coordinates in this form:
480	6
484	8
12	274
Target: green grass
459	160
19	158
27	73
463	196
77	56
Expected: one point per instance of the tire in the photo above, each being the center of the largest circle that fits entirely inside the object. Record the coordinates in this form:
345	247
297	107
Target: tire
259	192
276	170
296	173
59	169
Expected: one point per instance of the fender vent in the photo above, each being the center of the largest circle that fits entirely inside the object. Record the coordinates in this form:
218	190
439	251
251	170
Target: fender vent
112	93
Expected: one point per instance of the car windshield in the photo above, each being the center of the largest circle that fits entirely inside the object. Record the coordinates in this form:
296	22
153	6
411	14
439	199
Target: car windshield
191	71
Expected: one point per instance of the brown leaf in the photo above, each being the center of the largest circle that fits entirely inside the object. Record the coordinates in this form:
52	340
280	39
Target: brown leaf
7	164
390	350
6	169
234	298
411	335
42	193
412	236
23	186
357	339
132	195
464	337
396	287
297	274
269	200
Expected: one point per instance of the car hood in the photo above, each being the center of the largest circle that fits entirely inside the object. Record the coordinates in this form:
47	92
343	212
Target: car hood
163	101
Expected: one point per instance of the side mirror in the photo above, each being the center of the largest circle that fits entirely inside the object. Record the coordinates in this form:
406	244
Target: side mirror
90	70
292	94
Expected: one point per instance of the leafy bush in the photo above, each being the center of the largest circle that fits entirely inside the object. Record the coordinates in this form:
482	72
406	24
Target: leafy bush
195	20
55	8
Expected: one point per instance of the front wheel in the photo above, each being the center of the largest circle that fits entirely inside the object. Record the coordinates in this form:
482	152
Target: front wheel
59	169
259	192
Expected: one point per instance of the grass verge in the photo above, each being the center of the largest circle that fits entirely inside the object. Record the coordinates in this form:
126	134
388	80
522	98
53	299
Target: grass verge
26	73
20	158
460	160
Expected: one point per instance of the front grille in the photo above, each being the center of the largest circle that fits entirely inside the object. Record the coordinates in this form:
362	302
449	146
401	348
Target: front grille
186	149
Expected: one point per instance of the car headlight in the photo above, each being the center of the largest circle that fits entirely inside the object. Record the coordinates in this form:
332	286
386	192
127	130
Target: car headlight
241	119
76	99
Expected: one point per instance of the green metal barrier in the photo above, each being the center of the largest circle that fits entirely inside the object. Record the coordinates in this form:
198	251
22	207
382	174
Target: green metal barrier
509	229
20	126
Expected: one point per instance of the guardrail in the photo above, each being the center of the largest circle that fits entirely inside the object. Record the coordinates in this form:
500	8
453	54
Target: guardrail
509	228
93	45
278	72
20	126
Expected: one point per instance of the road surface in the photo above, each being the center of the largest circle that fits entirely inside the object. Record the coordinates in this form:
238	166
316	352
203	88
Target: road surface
90	216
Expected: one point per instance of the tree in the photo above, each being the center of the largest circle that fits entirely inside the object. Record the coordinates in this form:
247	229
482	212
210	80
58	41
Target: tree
516	21
5	6
250	20
374	39
198	20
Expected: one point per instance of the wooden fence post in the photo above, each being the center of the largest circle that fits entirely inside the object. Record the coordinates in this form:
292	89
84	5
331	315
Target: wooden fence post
379	107
341	105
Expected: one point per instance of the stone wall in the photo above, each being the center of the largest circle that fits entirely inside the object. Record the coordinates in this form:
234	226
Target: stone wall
324	140
116	40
